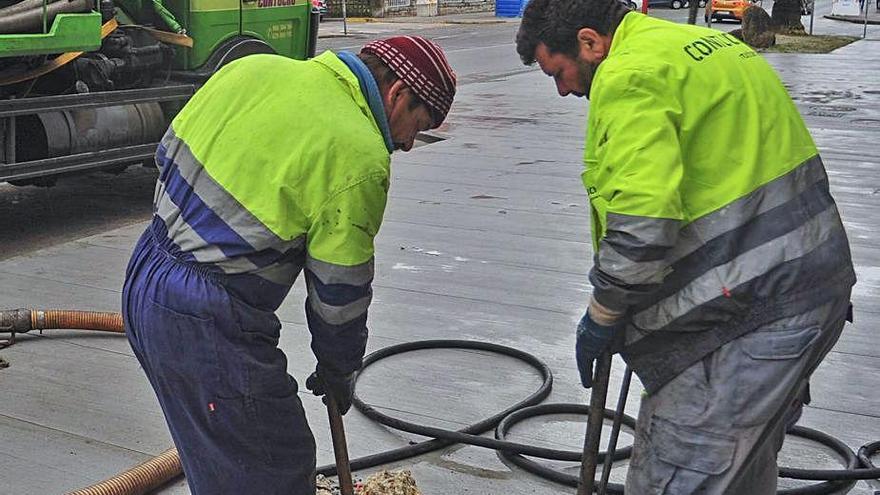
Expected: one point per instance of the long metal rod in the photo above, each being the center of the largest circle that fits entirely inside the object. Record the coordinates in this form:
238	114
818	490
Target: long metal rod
598	395
340	448
615	431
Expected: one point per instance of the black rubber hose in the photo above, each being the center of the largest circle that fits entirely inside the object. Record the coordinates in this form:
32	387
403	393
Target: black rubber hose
853	472
467	435
866	452
838	479
846	453
22	321
507	423
474	429
829	487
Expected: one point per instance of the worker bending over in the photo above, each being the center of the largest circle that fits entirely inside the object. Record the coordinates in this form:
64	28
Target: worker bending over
722	272
275	166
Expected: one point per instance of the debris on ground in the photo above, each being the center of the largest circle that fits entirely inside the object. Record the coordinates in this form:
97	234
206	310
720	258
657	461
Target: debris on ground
325	487
381	483
390	483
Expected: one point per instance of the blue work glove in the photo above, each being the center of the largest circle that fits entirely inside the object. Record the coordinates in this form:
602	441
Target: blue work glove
339	386
592	339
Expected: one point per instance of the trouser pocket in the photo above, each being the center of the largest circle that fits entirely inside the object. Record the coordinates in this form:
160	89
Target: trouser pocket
688	457
769	364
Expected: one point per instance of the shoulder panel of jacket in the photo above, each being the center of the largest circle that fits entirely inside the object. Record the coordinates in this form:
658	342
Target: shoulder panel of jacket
735	126
283	136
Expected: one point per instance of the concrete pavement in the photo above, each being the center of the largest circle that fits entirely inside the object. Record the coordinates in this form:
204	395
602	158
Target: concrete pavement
485	238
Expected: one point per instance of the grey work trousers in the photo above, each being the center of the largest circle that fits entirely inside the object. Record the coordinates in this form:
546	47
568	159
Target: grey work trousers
717	427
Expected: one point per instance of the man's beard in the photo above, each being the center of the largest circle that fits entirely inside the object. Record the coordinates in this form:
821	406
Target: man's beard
586	71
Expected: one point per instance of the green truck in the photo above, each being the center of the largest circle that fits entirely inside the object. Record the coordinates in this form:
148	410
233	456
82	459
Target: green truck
93	84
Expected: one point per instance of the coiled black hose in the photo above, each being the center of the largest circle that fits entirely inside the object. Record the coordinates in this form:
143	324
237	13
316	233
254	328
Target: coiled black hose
858	467
25	320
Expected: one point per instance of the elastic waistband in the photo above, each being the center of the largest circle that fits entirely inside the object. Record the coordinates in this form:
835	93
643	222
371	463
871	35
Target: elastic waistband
158	237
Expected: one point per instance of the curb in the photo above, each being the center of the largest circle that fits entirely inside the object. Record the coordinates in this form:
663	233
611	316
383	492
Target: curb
422	20
481	21
853	19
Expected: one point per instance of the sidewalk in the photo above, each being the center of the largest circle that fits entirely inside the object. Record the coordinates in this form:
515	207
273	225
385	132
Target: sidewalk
333	27
488	17
873	17
485	238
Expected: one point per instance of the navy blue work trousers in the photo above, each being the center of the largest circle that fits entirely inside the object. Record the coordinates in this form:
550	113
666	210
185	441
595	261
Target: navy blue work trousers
214	363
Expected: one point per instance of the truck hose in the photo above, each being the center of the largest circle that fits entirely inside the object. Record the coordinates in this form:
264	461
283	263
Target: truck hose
59	61
86	320
168	17
159	470
22	6
24	320
32	20
138	480
143	478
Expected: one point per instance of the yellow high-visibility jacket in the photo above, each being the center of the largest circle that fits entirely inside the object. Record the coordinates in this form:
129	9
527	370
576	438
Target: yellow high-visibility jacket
710	204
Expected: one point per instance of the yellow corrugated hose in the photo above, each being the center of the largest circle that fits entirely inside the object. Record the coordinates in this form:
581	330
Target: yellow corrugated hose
139	480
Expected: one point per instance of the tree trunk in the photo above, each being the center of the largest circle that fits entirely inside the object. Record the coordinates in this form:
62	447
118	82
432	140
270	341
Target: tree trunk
786	17
692	11
757	30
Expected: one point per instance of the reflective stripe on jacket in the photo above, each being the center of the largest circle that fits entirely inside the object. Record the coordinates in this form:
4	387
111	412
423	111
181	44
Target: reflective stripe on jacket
275	166
708	197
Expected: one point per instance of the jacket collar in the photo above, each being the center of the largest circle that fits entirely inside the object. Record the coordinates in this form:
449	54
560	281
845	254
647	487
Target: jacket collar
370	90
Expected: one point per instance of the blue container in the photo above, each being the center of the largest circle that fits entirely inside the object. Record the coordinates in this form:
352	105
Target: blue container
509	8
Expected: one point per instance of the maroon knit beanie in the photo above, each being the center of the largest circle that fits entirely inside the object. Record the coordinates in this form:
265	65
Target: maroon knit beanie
420	64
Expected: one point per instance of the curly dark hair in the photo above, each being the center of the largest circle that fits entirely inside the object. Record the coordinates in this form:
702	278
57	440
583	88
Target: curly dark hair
557	22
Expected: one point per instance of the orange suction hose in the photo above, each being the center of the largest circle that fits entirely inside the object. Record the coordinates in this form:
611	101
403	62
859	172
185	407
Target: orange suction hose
138	480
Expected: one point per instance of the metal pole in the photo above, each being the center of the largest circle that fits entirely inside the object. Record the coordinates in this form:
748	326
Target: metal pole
340	448
598	394
10	140
344	20
615	430
865	31
812	14
45	18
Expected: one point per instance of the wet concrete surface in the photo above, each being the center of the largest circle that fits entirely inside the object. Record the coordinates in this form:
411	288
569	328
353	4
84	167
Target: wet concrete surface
485	238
